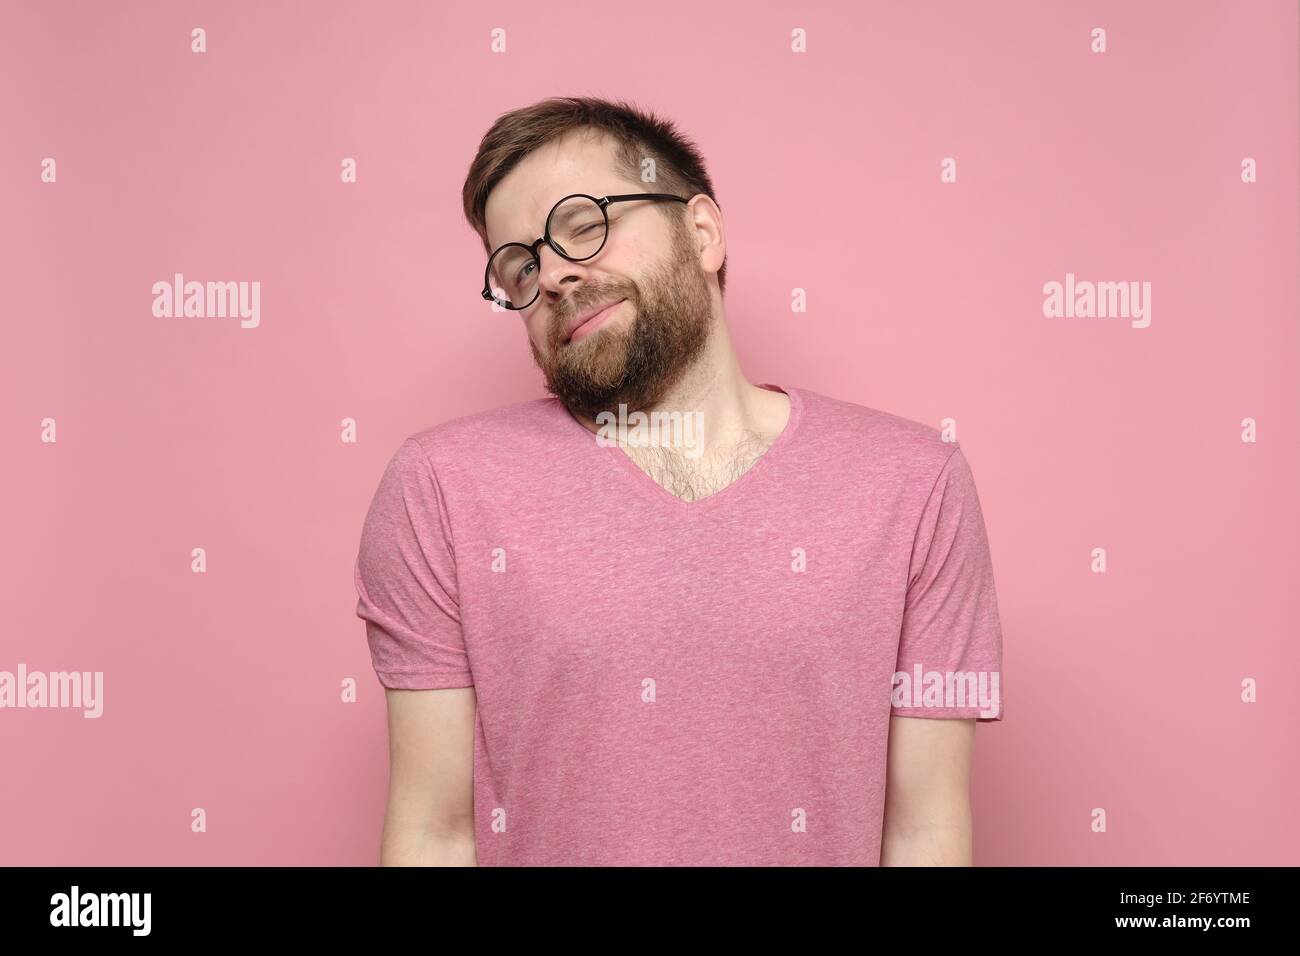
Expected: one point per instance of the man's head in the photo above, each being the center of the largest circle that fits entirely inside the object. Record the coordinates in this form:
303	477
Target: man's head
663	263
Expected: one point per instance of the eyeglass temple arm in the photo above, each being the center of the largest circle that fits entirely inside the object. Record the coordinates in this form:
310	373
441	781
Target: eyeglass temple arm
626	197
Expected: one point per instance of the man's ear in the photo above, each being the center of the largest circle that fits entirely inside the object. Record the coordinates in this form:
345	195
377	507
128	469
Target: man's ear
704	220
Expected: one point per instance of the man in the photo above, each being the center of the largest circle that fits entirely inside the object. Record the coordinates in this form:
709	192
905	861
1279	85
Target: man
656	618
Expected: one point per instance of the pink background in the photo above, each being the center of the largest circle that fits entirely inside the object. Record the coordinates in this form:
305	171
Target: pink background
222	690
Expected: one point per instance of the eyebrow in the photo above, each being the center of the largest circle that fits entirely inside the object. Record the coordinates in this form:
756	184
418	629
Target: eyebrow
609	212
518	241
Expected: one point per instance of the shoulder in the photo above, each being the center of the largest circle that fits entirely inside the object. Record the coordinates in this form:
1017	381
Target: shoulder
885	439
478	443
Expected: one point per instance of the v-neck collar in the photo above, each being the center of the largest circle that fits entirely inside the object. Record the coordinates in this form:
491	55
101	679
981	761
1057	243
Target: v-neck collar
630	472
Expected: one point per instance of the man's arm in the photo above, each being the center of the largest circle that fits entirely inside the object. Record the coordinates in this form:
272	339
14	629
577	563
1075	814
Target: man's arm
430	815
927	792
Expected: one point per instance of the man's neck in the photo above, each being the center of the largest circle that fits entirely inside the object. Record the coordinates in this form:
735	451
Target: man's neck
710	428
732	411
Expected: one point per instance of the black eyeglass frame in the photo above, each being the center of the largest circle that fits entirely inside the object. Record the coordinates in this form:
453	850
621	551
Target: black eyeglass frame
603	203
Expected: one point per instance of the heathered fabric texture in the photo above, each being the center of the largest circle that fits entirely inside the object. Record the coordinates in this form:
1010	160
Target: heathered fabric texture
658	682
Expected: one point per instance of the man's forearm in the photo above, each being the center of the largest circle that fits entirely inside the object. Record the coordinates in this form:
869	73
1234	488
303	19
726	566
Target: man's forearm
422	847
935	845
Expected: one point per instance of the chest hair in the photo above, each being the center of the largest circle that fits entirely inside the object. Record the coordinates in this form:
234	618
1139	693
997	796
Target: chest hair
693	478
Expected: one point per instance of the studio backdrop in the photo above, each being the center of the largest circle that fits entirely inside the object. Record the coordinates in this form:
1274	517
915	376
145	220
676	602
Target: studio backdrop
1064	234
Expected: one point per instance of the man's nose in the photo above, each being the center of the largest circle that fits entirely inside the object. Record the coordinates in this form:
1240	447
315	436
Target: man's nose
557	274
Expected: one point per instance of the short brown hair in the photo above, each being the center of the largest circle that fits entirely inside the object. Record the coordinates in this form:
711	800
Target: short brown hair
679	165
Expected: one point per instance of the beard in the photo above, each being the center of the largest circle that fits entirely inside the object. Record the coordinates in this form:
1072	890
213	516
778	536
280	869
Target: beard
639	361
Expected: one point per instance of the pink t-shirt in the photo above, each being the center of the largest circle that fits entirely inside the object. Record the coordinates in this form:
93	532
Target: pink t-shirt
662	682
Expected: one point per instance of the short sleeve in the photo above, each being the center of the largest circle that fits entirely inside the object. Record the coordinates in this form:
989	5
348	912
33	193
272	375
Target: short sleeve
406	580
950	646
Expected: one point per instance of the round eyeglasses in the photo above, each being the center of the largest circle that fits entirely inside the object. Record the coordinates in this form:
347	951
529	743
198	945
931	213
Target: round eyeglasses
576	229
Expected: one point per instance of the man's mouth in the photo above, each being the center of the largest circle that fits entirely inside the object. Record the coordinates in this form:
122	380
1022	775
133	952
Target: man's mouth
583	325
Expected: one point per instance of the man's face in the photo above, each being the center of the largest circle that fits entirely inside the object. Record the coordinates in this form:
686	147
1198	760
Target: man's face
650	267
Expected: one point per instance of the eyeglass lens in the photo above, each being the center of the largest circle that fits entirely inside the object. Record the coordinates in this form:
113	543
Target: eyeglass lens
577	227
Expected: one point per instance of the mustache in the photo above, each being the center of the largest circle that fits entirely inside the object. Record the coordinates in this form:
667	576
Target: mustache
567	310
